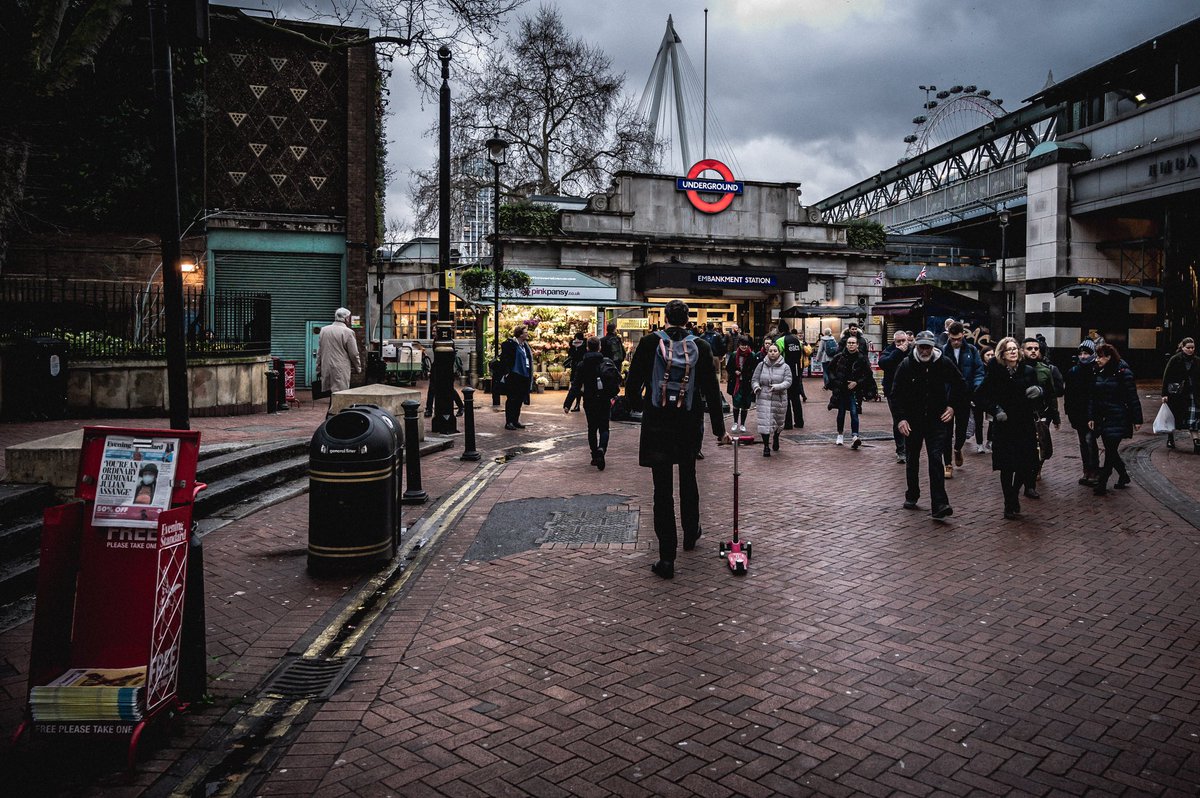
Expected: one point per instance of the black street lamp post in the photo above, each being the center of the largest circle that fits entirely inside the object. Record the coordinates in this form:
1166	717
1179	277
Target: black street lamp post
443	345
1004	218
496	147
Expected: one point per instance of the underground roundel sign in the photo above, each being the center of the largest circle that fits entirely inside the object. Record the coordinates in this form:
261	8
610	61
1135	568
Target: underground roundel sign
696	186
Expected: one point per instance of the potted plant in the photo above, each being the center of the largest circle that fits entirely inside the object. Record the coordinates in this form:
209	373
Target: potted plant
556	372
540	383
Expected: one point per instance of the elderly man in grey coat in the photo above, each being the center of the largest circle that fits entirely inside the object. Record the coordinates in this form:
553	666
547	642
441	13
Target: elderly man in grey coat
337	353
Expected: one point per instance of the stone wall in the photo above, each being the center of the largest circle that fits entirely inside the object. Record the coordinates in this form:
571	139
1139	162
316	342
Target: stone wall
216	386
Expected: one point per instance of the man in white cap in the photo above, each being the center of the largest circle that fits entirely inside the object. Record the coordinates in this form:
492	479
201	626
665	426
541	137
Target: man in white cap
925	391
337	353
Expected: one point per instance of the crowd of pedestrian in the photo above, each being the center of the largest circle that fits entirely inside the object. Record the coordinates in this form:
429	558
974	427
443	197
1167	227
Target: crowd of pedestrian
942	391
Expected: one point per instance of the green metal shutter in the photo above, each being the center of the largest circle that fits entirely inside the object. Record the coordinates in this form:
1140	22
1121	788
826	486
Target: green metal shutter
303	288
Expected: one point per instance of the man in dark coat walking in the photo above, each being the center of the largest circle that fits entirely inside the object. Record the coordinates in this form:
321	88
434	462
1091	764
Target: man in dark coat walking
670	436
966	358
926	389
587	384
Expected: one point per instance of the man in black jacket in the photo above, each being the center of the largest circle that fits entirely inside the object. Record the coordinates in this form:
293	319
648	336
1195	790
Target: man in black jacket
670	435
926	389
611	345
597	401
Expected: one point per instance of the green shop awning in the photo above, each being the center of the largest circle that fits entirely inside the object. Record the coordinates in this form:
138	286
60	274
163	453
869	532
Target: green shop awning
561	287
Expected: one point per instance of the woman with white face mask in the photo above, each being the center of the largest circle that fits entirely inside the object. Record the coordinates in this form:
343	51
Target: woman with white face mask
770	383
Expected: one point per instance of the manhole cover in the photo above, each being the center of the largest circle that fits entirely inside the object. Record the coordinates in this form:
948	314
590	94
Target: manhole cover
591	526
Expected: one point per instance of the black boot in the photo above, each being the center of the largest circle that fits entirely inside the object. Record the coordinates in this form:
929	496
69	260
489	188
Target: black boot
775	443
766	445
1101	488
1122	479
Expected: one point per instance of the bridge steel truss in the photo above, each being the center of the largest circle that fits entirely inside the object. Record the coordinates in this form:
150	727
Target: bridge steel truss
999	144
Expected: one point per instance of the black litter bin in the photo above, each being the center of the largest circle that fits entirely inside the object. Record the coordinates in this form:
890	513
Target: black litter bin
354	491
35	379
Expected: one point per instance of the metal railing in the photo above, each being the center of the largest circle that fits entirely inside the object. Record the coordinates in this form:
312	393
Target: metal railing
122	321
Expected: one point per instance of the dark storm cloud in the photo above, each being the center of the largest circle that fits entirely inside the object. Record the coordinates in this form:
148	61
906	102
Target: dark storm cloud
821	91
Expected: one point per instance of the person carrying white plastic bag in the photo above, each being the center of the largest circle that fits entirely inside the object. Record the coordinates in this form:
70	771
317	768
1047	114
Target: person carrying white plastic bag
1165	420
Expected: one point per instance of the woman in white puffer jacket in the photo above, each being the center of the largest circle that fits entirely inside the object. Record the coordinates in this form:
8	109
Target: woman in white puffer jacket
770	384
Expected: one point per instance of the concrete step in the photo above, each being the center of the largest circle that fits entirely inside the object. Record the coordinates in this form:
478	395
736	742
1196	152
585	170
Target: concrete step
217	466
247	482
17	500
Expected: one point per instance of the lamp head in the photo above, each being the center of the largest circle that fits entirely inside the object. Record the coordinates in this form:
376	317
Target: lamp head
496	147
1005	217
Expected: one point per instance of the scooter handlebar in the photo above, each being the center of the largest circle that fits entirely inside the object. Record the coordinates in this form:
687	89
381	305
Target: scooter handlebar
743	438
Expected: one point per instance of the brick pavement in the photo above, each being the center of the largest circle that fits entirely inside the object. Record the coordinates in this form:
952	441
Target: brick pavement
869	651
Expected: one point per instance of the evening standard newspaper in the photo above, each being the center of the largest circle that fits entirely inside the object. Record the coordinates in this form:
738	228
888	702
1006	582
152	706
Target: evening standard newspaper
136	475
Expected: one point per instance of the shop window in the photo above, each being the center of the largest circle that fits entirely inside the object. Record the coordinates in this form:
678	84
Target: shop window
416	314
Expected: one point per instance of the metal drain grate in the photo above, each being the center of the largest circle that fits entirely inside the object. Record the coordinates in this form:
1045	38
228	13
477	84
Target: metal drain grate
309	677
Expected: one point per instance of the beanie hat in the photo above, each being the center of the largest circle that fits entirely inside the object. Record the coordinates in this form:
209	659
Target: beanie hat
1088	344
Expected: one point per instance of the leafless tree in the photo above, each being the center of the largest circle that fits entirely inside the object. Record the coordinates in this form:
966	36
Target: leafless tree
558	103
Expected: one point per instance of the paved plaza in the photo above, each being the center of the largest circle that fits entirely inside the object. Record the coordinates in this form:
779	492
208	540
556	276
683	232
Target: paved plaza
525	648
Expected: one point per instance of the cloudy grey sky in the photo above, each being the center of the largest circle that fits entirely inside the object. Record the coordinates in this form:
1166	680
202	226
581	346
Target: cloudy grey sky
823	91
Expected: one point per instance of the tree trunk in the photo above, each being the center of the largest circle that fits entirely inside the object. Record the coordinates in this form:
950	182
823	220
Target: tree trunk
14	161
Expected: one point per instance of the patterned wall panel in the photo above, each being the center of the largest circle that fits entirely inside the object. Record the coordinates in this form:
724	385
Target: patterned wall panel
277	124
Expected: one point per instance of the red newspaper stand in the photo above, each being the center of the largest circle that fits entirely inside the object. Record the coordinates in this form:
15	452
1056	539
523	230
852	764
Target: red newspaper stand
111	581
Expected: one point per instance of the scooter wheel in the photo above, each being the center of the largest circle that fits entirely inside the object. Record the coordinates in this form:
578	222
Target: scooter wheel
741	569
746	548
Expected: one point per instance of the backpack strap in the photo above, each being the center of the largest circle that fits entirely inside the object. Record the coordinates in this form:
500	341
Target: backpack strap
664	351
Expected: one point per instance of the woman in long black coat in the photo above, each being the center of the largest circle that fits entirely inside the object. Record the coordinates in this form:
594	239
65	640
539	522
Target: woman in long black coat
1114	413
1181	391
1010	394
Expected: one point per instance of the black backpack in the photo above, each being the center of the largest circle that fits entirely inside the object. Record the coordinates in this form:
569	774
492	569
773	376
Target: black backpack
608	379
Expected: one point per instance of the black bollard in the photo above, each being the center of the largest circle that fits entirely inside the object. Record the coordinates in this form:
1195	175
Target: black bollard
272	395
412	454
193	655
469	452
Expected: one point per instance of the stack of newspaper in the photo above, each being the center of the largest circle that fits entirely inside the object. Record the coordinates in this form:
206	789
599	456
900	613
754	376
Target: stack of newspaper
91	694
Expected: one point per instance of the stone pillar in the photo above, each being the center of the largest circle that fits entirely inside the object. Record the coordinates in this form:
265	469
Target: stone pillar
839	290
625	285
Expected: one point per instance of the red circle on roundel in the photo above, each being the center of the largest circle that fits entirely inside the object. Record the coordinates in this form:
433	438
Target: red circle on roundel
694	196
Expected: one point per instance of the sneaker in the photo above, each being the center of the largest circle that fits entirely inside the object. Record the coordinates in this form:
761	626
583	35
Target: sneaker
988	447
1122	482
664	568
689	541
948	471
766	451
857	442
510	426
945	511
980	448
1031	493
900	458
958	458
840	440
699	455
910	505
518	425
600	460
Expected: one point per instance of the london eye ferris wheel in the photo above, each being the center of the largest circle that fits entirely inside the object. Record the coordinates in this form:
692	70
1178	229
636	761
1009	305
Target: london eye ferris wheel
948	114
